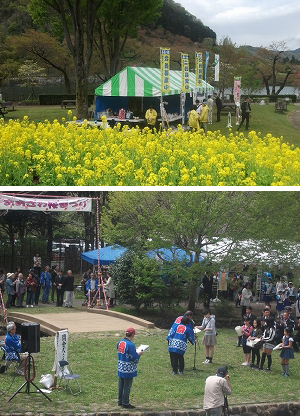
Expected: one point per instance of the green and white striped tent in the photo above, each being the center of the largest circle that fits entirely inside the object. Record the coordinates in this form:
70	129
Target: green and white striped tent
145	82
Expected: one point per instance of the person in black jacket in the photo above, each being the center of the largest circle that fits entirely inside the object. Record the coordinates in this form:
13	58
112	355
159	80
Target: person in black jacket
54	273
207	289
59	284
246	111
69	288
218	105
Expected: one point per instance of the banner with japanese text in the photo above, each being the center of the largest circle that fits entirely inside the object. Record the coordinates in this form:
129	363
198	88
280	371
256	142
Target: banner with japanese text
199	68
165	69
61	349
206	65
237	89
185	72
12	202
217	67
223	277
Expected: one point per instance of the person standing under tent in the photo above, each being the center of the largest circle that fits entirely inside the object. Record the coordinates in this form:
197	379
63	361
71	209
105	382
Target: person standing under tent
128	358
210	103
218	105
246	112
85	278
46	283
151	116
92	287
110	293
69	289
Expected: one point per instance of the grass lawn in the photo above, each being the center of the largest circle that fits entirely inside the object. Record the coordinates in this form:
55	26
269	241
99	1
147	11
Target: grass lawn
94	357
264	120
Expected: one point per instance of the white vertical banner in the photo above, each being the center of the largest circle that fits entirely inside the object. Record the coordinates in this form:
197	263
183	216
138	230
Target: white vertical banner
217	67
61	349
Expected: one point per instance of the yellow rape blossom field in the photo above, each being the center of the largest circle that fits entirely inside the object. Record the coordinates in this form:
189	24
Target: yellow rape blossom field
63	154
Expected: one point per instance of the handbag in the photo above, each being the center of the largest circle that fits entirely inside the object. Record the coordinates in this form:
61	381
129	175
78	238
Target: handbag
47	380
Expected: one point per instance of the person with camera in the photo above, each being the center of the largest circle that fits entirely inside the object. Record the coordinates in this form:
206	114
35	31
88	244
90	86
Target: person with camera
217	388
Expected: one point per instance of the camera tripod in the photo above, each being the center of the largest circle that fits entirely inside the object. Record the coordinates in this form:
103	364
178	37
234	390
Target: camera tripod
28	362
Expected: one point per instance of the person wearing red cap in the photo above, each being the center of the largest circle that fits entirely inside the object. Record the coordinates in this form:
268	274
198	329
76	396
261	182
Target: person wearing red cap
128	358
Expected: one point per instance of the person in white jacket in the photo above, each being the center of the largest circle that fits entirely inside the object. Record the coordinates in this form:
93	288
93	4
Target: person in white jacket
246	298
109	287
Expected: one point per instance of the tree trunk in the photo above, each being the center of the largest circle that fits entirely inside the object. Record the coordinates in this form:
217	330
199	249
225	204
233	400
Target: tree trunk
67	82
193	287
283	82
81	92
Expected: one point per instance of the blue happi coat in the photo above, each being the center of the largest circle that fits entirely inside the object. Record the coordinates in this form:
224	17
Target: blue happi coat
127	359
178	340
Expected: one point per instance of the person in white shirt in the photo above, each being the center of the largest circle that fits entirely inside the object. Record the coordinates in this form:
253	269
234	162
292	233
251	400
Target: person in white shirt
210	103
216	388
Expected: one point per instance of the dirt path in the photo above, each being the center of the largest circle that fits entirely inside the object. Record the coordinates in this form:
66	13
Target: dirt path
295	118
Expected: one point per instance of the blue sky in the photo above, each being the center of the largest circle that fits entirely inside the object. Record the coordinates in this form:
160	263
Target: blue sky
250	22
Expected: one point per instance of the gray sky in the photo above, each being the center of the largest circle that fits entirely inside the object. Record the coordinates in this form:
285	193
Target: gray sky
250	22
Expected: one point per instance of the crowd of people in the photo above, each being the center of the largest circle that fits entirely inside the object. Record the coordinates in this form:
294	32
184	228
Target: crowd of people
49	282
52	285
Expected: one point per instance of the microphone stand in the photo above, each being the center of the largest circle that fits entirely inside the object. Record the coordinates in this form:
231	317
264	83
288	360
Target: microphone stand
195	352
29	380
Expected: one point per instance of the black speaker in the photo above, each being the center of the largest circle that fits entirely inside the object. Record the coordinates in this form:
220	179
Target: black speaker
30	337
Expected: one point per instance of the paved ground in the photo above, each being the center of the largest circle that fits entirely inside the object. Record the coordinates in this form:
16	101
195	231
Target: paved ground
85	322
295	118
78	320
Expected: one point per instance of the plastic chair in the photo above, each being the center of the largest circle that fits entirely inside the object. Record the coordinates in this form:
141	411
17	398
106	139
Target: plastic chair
9	358
68	375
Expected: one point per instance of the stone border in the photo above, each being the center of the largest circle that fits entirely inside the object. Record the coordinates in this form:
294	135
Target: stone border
267	409
45	327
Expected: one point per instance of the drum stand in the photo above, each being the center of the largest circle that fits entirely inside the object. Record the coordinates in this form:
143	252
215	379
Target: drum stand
29	380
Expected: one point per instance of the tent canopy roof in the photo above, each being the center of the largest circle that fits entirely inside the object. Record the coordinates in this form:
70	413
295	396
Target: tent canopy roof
110	254
145	82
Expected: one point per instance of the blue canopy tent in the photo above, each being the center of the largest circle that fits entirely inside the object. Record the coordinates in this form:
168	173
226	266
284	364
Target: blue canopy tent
108	255
171	254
